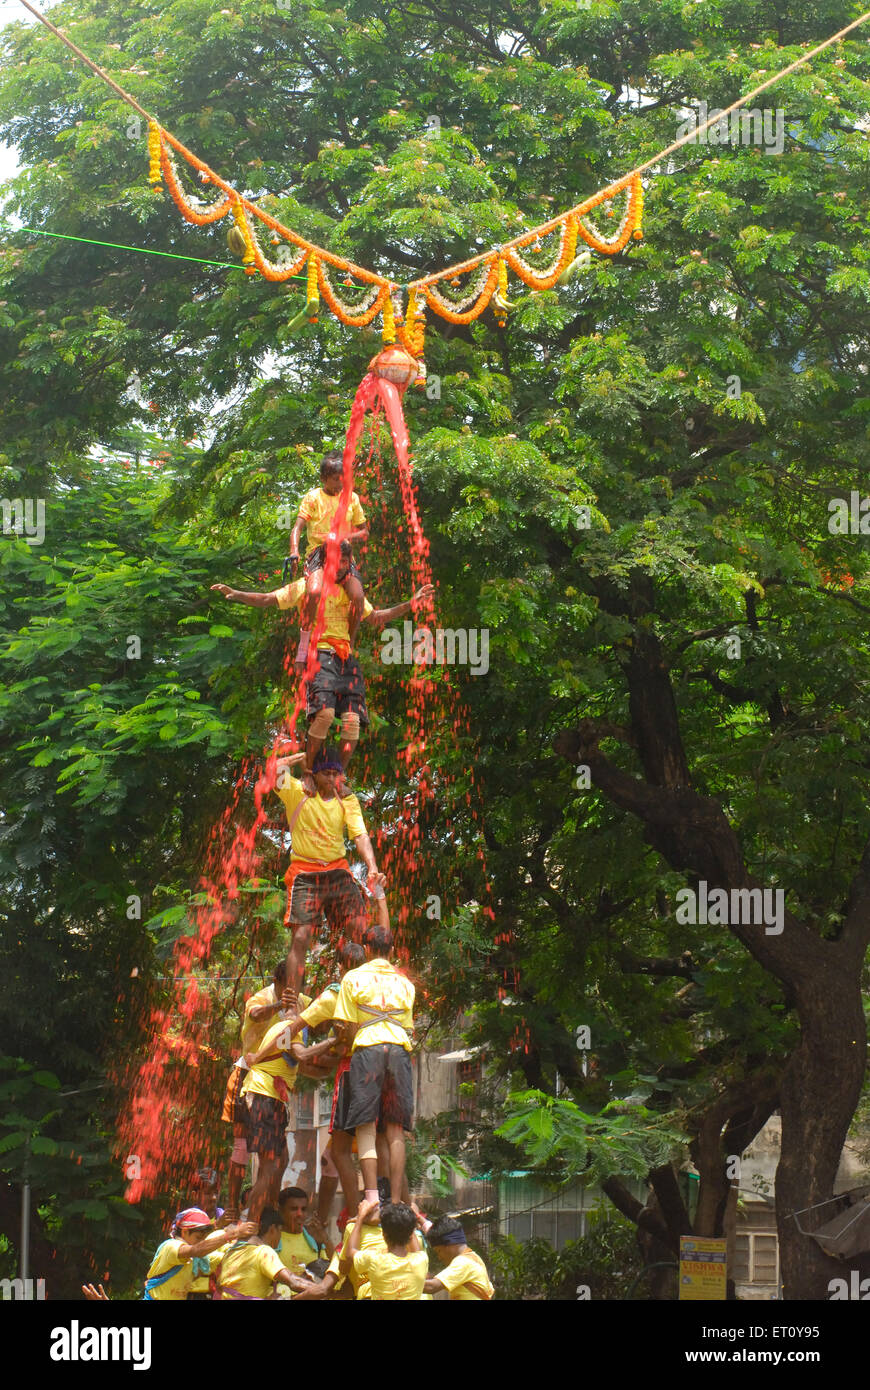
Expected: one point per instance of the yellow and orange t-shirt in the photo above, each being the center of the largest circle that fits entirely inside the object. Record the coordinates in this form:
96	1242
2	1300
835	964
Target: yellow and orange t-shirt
381	1001
318	508
317	833
336	627
260	1080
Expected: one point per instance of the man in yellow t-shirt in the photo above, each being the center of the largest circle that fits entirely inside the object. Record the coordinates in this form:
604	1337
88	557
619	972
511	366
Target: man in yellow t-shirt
261	1009
303	1236
337	1160
271	1077
186	1255
336	687
464	1275
371	1238
251	1269
398	1273
317	515
319	881
376	1006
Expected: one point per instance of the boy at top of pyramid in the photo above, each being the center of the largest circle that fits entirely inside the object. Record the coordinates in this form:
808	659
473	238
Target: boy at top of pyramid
317	512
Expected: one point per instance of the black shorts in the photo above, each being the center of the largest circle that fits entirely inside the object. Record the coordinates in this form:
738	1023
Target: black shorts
380	1085
317	559
334	894
266	1124
340	1098
337	685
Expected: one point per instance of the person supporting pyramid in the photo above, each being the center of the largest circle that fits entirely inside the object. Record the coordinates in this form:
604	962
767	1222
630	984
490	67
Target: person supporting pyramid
319	880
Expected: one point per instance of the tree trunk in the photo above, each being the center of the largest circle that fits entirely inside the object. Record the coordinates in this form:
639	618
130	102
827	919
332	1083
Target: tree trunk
822	978
820	1090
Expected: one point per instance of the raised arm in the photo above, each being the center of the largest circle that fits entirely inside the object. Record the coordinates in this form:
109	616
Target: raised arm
296	536
346	1262
239	1231
239	596
379	616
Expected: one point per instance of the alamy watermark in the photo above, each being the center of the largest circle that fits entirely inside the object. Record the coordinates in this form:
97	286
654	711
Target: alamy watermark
856	1289
850	518
24	517
420	646
77	1343
744	907
22	1289
754	127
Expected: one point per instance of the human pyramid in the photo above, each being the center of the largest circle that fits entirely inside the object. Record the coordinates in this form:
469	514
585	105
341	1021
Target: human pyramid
279	1249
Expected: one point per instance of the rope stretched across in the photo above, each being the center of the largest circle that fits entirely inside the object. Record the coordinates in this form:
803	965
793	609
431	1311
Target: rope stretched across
497	257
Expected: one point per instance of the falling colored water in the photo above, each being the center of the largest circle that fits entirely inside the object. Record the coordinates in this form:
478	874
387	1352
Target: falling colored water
182	1077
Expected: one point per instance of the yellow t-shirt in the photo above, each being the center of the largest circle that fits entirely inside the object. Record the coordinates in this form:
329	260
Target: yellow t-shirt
381	1001
372	1238
336	610
260	1080
250	1270
323	1008
466	1279
396	1277
178	1287
318	830
201	1283
253	1033
317	510
296	1252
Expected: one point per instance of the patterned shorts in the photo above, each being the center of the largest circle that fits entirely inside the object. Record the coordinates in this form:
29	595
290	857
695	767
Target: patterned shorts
266	1126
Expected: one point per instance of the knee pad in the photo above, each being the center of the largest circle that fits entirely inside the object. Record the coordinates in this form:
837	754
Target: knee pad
240	1152
327	1164
321	723
350	727
365	1140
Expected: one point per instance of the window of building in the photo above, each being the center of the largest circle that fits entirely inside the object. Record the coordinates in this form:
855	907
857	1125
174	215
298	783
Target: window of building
756	1258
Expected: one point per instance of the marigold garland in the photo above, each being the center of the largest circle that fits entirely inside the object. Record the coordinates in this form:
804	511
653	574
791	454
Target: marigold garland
500	299
638	216
388	332
630	222
188	212
312	294
241	221
154	177
489	283
354	316
278	272
546	279
440	305
413	331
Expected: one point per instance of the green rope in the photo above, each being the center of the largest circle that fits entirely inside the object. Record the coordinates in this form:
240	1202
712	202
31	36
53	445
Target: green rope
144	250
